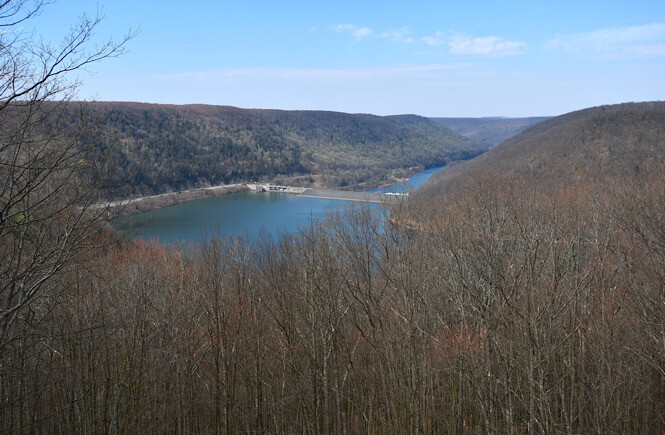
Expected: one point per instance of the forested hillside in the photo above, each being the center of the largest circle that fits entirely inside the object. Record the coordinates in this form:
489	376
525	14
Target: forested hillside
489	131
598	143
156	148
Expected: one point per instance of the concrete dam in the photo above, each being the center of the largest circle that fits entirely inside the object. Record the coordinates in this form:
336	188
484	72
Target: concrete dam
342	195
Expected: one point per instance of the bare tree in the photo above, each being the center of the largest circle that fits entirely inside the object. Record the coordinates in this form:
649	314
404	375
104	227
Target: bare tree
47	187
46	218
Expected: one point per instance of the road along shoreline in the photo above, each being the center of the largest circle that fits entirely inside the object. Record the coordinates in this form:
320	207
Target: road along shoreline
142	204
344	195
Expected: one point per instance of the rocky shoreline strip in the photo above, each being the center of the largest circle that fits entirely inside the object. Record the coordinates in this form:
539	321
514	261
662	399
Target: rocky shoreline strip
134	206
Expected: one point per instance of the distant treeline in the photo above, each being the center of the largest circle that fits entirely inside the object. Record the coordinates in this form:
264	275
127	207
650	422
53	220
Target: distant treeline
489	132
157	148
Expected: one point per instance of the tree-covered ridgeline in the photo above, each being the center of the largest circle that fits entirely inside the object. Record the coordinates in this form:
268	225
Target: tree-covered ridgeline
158	148
594	143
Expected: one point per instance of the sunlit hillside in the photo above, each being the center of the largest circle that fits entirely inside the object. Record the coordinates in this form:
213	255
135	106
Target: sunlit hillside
157	148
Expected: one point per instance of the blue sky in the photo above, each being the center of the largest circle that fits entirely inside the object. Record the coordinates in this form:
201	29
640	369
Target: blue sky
432	58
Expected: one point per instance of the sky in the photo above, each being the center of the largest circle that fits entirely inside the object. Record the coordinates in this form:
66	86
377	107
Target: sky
432	58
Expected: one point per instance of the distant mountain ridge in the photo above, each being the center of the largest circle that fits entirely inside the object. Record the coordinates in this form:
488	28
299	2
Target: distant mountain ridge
160	148
490	131
593	143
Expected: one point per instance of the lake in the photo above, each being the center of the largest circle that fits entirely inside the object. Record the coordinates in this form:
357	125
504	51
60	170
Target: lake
247	213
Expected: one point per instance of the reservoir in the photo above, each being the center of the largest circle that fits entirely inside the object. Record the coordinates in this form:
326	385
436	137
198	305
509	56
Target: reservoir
248	213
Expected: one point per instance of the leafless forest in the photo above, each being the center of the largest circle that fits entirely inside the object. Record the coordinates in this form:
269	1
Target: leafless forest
508	304
516	308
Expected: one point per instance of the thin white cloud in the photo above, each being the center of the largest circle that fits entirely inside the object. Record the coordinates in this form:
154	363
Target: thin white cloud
298	74
401	34
492	46
439	38
398	35
645	41
356	32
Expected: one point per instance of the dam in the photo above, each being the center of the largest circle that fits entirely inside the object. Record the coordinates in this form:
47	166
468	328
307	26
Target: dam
341	195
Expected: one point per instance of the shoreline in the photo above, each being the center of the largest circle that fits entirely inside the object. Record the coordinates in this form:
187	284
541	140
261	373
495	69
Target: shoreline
143	204
381	184
373	197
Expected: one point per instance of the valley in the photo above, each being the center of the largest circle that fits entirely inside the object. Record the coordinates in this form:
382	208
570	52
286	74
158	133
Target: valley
306	217
466	292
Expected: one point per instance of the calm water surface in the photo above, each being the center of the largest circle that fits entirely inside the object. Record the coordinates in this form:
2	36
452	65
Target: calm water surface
240	213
